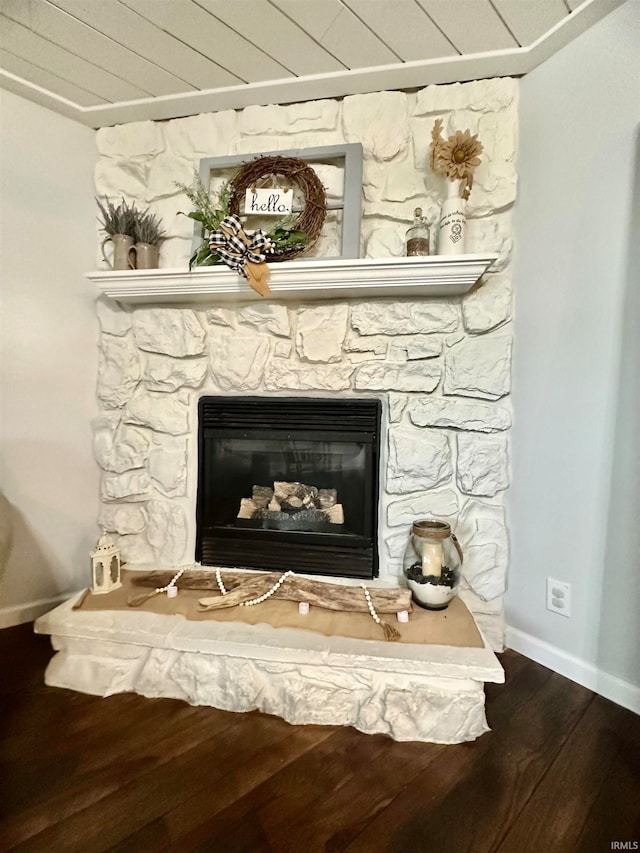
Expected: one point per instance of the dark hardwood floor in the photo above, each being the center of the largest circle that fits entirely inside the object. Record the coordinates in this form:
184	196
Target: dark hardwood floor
560	771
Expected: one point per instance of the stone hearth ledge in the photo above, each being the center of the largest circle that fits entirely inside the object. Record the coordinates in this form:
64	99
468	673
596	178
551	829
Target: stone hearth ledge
410	692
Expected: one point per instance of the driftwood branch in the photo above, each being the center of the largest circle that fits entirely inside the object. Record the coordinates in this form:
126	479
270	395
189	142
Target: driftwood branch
244	587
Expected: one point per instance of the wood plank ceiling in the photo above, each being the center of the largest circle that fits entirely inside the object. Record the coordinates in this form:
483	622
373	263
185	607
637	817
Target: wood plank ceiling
106	61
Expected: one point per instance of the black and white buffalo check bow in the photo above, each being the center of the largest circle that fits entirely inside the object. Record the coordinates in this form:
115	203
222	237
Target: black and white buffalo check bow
235	247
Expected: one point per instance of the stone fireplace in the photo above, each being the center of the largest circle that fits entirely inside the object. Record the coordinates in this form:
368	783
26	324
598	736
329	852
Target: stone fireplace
436	366
440	367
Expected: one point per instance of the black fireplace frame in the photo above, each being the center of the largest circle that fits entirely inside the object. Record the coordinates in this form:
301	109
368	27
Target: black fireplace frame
281	418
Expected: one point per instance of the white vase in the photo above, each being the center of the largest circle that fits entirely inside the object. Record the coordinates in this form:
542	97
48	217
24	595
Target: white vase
452	222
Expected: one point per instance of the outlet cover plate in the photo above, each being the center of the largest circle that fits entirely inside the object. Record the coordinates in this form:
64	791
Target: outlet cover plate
559	597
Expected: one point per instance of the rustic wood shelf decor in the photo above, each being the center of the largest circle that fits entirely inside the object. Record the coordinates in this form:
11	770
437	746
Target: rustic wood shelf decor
317	279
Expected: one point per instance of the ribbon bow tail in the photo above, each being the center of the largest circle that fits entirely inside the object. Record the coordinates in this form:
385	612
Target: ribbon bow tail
258	277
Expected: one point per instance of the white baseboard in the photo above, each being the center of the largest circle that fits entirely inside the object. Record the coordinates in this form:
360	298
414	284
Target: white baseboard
610	686
18	614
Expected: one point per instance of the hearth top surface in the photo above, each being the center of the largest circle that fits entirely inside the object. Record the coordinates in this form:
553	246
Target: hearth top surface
283	645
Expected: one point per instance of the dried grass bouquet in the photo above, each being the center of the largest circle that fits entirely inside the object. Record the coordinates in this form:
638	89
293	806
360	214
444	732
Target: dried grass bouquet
455	158
126	219
117	219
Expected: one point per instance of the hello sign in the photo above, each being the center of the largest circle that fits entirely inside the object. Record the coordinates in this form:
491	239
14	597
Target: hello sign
268	202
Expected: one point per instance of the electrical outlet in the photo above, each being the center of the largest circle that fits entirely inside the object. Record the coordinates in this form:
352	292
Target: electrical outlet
558	597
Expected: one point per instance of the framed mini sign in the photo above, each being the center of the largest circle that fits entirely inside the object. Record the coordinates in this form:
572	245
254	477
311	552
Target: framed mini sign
342	164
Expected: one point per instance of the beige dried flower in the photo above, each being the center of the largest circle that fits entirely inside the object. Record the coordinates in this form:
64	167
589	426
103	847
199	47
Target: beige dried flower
436	142
455	158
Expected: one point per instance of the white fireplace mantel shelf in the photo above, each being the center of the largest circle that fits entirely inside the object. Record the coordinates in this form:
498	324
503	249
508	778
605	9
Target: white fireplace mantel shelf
437	275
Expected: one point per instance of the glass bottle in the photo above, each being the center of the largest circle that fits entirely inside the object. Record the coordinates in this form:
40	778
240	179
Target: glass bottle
418	235
432	563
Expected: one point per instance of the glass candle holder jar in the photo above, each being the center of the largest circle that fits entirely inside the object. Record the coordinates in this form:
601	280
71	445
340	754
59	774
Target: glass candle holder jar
432	562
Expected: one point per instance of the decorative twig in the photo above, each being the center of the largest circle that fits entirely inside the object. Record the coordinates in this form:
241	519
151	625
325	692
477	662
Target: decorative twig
242	586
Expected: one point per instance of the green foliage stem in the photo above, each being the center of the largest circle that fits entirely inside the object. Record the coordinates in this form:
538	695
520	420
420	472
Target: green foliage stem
210	215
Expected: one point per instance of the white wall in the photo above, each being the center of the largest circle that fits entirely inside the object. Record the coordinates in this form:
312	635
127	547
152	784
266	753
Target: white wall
574	504
48	353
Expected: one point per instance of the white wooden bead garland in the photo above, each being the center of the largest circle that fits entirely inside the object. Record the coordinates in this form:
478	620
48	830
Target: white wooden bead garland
170	588
269	593
372	609
221	586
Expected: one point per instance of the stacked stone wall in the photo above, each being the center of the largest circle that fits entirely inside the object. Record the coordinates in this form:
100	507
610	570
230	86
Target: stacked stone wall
441	366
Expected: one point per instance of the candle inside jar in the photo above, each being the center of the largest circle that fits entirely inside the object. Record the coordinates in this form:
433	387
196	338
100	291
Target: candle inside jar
432	559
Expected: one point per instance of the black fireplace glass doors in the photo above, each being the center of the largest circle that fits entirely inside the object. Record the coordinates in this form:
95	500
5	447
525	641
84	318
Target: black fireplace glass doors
289	483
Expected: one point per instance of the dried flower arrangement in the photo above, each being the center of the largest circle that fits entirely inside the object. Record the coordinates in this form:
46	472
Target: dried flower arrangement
148	229
117	220
455	158
126	219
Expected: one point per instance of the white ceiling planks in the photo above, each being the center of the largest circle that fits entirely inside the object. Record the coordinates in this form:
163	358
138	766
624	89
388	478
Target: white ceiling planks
315	18
281	38
48	81
24	42
130	30
340	32
104	62
405	27
529	21
77	37
354	44
473	26
208	35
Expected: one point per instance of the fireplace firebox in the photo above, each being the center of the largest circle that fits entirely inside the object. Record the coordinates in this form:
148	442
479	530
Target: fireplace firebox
289	483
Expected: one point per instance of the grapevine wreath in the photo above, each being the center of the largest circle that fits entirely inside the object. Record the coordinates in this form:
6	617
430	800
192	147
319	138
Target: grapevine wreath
310	220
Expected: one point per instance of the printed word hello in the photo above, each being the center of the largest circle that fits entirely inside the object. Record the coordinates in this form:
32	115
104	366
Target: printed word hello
268	202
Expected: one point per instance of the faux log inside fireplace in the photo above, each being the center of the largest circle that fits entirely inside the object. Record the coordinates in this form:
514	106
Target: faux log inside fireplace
289	483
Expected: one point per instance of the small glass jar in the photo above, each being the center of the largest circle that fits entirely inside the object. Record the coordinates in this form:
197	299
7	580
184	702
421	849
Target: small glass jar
417	238
432	563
